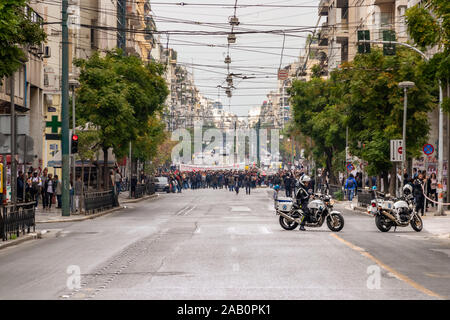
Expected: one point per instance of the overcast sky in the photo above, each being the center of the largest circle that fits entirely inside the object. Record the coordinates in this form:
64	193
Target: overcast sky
207	62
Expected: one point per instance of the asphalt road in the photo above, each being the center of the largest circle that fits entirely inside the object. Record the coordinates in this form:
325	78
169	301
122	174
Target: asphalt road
213	244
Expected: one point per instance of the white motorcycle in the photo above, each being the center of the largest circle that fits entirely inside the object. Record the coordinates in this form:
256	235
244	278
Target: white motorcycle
397	212
320	208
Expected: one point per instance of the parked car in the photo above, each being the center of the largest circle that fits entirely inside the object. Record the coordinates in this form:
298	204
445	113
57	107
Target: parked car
162	184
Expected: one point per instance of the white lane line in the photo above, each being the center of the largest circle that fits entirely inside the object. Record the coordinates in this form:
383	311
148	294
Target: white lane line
185	213
264	230
233	250
240	209
231	230
236	267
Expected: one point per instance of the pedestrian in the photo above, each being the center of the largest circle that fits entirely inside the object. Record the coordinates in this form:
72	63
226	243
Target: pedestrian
118	181
49	191
418	193
77	194
44	179
58	191
350	186
248	184
432	188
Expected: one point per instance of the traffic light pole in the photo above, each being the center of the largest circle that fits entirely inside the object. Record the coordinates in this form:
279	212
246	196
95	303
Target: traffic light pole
73	132
65	112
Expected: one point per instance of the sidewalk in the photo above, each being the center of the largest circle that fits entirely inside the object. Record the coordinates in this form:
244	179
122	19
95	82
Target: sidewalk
54	214
439	226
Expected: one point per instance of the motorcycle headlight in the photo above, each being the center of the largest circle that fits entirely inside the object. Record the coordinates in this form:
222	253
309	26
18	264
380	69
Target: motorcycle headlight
331	202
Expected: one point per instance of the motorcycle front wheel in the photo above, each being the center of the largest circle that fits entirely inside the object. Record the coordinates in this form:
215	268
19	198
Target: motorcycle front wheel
383	224
335	224
287	224
416	223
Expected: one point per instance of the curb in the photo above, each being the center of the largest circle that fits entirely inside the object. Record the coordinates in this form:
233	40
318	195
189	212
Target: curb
96	215
140	199
92	216
30	236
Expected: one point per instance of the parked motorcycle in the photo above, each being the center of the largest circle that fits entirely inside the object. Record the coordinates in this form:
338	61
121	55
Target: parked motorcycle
398	212
320	208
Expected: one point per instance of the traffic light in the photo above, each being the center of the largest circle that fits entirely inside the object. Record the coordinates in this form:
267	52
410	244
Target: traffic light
74	145
363	47
389	49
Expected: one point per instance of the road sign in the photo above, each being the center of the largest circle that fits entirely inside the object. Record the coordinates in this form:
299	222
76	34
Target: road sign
397	150
350	167
428	149
283	74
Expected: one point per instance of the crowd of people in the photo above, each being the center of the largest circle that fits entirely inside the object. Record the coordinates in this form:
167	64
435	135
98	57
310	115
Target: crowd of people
234	180
41	186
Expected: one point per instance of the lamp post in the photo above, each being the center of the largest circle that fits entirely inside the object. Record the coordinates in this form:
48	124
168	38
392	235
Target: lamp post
405	85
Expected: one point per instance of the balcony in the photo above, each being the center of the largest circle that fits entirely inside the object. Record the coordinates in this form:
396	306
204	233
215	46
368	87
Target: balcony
132	14
323	7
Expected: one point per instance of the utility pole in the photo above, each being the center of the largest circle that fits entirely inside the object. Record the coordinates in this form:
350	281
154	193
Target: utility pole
258	124
405	85
440	191
13	145
65	112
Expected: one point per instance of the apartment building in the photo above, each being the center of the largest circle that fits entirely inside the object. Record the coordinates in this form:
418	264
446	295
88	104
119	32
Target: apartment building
28	100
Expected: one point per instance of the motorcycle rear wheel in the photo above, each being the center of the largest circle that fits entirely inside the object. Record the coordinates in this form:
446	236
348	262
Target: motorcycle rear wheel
416	223
287	224
335	226
383	224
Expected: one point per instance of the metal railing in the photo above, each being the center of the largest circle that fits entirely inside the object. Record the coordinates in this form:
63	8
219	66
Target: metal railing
99	201
144	189
16	219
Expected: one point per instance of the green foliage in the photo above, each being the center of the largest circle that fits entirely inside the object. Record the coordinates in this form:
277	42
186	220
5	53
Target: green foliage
364	95
16	31
422	26
88	144
338	195
429	26
117	95
375	106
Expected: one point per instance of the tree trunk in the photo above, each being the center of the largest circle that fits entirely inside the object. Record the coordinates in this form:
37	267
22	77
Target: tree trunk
392	181
105	169
385	181
329	166
89	174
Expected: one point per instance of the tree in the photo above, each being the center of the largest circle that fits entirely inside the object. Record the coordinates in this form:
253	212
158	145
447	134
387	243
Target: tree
317	116
89	144
117	95
17	31
429	26
374	105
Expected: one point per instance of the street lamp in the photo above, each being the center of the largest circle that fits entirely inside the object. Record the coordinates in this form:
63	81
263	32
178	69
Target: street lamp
405	85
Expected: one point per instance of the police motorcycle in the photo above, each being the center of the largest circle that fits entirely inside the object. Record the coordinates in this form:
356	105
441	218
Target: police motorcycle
320	207
397	212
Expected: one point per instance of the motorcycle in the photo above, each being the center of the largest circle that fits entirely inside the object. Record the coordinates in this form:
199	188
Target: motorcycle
397	212
320	208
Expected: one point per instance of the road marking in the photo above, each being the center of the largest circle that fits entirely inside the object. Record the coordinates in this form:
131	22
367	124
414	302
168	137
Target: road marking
233	250
193	207
264	230
240	209
394	272
236	267
444	251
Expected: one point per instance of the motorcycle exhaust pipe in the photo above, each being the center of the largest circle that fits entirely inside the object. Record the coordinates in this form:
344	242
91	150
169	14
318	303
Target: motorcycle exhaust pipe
284	215
390	216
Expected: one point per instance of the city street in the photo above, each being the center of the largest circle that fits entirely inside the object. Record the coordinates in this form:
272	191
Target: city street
214	244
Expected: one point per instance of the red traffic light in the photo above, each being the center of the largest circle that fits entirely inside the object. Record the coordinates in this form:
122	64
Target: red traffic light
74	137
